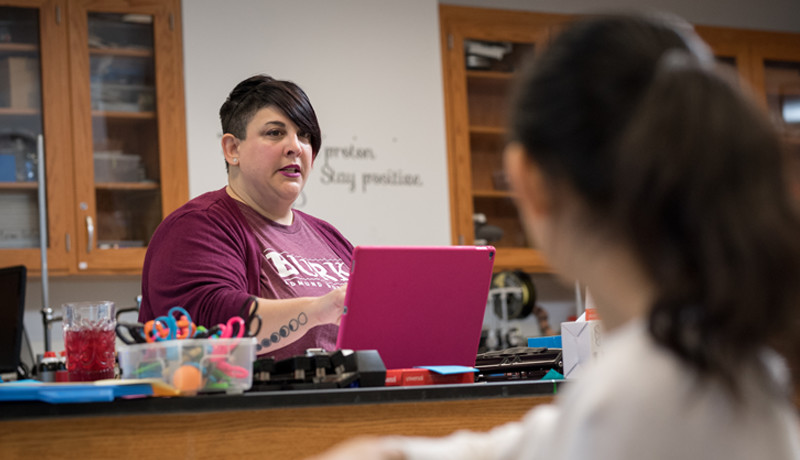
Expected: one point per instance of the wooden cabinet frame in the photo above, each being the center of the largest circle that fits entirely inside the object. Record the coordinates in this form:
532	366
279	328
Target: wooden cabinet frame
67	128
458	24
749	48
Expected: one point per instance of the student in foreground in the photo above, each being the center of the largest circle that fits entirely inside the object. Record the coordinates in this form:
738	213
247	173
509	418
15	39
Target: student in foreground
643	171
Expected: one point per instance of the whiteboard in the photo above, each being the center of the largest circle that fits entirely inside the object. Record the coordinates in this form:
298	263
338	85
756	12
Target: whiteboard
373	73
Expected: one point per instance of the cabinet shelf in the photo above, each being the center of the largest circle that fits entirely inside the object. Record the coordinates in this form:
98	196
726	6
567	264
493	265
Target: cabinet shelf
13	111
122	52
19	185
126	185
494	130
124	115
525	259
492	194
489	75
19	48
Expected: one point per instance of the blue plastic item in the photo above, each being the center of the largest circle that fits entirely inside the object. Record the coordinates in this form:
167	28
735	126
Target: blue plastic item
553	341
57	393
448	370
8	168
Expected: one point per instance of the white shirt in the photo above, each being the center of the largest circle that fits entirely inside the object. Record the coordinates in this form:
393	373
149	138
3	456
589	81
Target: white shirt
637	402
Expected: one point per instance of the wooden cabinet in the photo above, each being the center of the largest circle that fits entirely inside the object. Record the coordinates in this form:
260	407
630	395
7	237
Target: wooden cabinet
769	65
102	81
482	49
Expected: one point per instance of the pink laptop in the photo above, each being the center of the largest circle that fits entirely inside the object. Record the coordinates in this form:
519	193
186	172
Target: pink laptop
418	306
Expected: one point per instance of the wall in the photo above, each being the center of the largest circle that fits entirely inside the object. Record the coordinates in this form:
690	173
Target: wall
372	71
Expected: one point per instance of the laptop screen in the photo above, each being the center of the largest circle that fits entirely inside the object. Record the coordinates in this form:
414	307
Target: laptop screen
12	309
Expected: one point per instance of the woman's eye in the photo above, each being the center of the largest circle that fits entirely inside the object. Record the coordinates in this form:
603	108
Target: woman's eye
274	132
306	136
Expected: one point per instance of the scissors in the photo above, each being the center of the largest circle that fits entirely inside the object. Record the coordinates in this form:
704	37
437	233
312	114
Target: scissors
251	315
234	328
168	328
131	333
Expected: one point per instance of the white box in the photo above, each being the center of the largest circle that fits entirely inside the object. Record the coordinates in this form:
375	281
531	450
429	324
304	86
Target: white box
19	83
580	343
116	166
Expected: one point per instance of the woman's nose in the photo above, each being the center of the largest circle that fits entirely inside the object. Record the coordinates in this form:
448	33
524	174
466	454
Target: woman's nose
293	146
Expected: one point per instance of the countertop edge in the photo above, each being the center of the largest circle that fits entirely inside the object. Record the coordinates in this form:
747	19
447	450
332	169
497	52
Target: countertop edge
32	410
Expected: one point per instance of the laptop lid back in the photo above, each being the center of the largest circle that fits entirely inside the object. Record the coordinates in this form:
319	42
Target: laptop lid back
12	310
418	306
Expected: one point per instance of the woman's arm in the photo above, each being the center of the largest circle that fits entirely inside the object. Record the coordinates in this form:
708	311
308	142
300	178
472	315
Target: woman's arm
292	318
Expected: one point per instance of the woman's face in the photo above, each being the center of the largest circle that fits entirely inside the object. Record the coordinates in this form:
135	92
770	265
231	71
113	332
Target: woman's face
275	158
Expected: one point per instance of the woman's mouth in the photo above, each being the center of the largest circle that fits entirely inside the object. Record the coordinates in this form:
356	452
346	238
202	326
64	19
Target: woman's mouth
290	171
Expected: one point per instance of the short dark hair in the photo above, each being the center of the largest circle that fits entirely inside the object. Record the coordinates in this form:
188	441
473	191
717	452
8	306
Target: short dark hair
668	153
259	91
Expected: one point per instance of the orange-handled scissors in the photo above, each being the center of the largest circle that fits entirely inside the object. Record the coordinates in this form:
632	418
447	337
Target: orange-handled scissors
168	328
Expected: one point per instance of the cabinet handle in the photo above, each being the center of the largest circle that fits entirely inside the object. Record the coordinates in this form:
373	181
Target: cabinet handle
90	232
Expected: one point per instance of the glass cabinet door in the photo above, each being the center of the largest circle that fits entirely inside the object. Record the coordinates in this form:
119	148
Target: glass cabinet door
782	90
490	67
128	100
33	62
782	87
482	50
124	130
20	125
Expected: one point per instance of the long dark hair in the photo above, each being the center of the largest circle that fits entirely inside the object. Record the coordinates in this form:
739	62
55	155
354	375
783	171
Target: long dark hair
668	153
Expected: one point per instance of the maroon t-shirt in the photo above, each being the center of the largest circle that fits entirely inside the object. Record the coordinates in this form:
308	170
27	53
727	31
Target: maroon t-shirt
206	258
296	262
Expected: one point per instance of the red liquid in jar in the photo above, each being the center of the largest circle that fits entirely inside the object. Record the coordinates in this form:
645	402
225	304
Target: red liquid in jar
90	354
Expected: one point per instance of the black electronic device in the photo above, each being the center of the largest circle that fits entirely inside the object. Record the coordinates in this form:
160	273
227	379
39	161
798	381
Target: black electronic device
12	311
518	363
319	369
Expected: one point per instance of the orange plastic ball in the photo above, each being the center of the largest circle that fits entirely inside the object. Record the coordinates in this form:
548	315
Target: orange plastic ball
187	379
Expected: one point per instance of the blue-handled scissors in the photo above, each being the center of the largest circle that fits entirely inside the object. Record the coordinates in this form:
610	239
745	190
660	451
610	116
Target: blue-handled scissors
168	328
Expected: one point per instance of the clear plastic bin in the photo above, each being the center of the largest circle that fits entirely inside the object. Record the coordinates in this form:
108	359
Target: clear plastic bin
118	167
192	365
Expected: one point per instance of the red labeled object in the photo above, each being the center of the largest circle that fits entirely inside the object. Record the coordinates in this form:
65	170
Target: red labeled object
394	377
414	377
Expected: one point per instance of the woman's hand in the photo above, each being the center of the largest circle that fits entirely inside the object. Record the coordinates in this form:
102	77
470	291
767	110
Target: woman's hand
328	308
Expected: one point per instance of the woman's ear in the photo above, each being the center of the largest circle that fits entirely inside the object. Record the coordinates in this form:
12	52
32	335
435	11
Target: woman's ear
527	182
230	148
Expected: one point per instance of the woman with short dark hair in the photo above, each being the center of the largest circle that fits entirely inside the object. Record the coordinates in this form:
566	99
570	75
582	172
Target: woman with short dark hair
243	248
